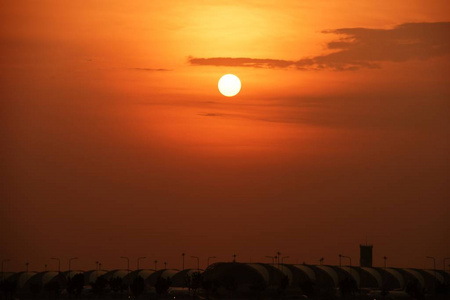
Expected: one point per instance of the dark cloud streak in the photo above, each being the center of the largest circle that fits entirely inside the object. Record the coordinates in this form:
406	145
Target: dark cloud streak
151	70
241	62
358	48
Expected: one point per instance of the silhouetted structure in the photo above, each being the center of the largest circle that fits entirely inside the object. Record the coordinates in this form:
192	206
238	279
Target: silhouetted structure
232	280
365	255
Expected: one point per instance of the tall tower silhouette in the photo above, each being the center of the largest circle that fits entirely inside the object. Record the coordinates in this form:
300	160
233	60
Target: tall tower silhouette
365	255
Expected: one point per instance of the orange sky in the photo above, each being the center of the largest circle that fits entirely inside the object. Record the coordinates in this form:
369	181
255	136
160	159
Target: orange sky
116	142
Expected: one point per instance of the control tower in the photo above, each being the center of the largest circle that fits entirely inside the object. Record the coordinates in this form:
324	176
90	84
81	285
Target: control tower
365	255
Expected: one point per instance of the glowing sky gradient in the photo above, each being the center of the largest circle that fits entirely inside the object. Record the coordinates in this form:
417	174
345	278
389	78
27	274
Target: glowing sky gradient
116	142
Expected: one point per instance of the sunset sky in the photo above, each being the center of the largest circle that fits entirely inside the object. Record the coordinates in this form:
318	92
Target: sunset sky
115	140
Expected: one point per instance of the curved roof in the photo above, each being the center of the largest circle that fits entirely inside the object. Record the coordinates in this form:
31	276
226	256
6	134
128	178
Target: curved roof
165	273
241	273
331	273
21	278
143	273
436	276
71	273
115	273
307	270
92	275
288	272
393	273
262	271
42	278
5	275
353	273
375	275
275	274
298	274
416	275
179	279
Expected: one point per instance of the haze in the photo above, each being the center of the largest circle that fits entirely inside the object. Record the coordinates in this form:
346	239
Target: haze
116	142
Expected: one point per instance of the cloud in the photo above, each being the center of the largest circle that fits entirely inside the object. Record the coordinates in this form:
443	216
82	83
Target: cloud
212	114
151	70
241	62
358	48
273	117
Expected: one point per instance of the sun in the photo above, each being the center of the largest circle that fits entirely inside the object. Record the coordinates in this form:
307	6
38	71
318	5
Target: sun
229	85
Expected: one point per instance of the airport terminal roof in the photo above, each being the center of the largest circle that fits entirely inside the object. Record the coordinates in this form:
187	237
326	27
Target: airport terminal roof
143	273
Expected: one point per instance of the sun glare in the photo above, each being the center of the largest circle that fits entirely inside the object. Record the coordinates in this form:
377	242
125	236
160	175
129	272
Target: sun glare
229	85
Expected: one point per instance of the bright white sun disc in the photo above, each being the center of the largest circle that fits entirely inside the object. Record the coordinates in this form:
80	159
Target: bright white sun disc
229	85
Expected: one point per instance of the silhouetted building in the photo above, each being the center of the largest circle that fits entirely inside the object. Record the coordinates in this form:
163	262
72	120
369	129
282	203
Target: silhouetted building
365	255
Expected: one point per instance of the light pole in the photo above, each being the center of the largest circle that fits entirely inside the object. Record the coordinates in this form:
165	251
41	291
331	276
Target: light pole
70	260
282	259
59	263
183	254
27	264
234	257
128	262
156	264
96	269
273	259
340	259
321	261
6	260
349	259
385	259
209	258
198	262
278	258
165	265
139	258
434	265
